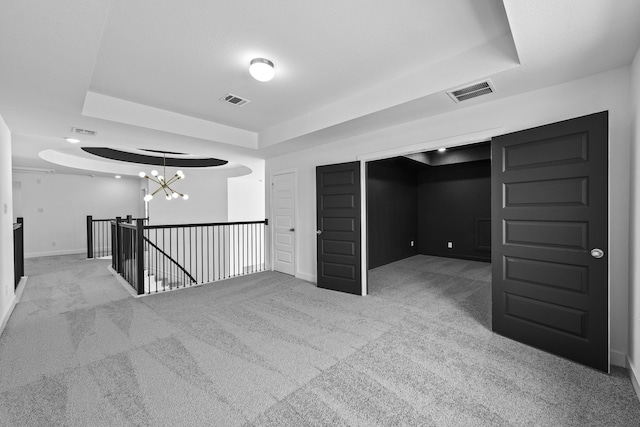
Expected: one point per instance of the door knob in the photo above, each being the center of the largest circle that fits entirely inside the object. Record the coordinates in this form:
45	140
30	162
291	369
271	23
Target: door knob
319	232
292	229
597	253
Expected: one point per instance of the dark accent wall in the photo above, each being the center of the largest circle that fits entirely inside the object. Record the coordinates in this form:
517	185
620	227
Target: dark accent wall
392	210
455	206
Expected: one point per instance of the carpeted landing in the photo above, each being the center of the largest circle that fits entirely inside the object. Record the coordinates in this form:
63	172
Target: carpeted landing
272	350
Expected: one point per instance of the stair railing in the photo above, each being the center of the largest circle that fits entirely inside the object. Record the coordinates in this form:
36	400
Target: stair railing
100	236
157	258
18	251
174	274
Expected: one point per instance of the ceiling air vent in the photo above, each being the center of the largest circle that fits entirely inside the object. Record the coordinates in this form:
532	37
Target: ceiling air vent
85	132
234	100
471	91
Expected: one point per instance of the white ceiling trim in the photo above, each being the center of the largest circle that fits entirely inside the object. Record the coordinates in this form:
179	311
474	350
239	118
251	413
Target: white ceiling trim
477	63
452	141
131	113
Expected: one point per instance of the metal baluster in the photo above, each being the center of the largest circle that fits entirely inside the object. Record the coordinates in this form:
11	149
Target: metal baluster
201	253
184	277
216	253
171	264
237	239
261	247
164	260
243	249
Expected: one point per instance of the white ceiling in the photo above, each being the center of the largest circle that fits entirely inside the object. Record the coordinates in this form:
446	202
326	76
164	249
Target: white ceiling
149	73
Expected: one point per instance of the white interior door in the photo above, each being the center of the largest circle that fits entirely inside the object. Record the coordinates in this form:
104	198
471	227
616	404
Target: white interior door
283	202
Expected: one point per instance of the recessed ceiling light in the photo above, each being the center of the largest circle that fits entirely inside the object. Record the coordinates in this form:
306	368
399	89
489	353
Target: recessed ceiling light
118	177
261	69
72	140
442	150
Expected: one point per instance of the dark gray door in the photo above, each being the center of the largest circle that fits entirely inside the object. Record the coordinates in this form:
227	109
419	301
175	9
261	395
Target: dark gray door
338	227
549	251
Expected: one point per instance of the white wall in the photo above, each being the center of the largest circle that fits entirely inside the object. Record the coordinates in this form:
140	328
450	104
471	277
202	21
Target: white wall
7	295
634	246
55	208
207	190
246	199
606	91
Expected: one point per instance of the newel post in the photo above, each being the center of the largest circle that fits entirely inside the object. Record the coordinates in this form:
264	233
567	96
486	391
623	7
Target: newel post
140	256
119	252
89	236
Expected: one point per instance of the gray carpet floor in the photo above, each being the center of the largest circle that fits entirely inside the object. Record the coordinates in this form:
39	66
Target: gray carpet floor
271	350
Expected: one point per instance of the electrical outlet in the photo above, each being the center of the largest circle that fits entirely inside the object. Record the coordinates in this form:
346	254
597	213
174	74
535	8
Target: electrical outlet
412	243
449	245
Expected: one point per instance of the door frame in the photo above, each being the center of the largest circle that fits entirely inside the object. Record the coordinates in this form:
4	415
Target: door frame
272	230
455	141
449	142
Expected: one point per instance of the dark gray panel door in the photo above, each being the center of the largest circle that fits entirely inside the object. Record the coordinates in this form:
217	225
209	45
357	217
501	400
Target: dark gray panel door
549	213
338	227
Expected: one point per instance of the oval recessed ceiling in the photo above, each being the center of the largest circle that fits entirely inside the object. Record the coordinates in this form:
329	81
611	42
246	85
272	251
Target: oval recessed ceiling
124	156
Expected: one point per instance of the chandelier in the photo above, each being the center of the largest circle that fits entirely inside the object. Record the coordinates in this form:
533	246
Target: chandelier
165	184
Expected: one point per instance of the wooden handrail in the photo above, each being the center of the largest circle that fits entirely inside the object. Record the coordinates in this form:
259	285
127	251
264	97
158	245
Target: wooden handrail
206	224
146	239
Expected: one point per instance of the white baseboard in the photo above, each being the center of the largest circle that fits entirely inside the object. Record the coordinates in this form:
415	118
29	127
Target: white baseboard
618	359
127	287
308	277
20	288
12	306
7	315
54	253
634	378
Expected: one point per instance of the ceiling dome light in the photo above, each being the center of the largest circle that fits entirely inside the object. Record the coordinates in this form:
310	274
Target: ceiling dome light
261	69
72	140
442	150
